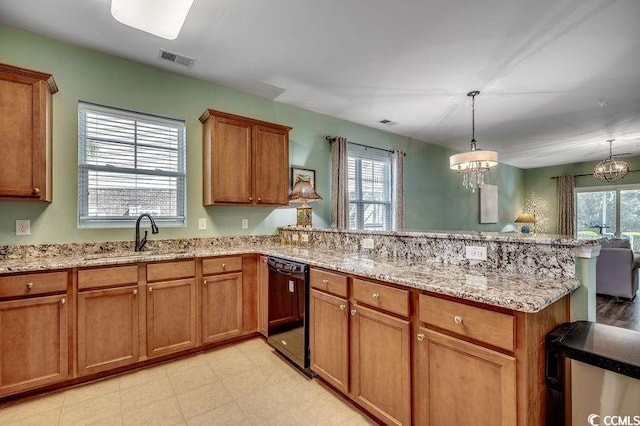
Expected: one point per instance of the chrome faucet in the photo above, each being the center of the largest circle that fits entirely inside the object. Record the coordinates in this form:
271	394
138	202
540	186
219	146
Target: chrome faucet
140	243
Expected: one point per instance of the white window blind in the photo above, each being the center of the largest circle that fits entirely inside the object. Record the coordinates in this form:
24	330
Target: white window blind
129	163
370	188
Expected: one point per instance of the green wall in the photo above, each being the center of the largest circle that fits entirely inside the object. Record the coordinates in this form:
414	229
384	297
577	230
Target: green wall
540	182
434	198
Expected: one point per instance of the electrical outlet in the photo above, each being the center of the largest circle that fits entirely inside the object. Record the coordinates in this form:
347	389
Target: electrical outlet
244	223
367	243
294	237
304	237
202	223
476	253
23	227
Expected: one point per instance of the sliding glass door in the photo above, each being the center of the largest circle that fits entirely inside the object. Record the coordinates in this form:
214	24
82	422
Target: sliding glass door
612	212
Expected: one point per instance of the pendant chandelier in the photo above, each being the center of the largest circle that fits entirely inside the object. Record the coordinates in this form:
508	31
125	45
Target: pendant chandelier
474	163
610	169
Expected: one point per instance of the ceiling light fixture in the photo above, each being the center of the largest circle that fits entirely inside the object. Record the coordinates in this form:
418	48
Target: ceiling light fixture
473	164
160	18
610	169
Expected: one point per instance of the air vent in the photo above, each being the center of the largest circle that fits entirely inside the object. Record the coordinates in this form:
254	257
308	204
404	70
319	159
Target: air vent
388	122
175	58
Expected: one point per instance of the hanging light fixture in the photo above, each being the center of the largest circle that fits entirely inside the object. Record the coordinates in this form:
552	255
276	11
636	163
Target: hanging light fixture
610	169
474	163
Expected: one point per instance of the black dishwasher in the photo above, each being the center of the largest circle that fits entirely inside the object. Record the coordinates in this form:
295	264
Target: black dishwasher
288	328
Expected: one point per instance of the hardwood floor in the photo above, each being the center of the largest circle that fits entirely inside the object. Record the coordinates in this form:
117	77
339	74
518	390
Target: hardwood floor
620	313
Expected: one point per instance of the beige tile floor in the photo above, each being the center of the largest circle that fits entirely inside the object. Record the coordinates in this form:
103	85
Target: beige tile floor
243	384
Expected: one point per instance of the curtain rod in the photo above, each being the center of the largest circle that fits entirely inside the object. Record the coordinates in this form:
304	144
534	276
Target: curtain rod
330	139
589	174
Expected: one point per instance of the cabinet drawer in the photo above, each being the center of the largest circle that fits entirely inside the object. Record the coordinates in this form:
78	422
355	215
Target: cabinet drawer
217	265
390	299
171	270
26	285
491	327
329	282
107	277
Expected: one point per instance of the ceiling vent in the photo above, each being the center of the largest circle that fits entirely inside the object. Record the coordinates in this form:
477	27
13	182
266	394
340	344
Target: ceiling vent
175	58
388	122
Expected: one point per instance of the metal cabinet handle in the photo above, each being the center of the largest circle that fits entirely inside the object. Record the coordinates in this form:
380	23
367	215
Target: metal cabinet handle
29	286
135	291
325	281
457	319
420	337
343	307
376	296
250	198
150	289
259	199
63	301
36	191
224	266
205	282
353	312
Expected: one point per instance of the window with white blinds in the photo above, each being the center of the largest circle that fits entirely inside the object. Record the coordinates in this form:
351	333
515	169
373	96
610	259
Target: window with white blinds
129	163
370	188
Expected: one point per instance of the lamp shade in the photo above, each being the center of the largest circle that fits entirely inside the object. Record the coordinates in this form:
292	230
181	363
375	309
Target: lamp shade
303	191
525	218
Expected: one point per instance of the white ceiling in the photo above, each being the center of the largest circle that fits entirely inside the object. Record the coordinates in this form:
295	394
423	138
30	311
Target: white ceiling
543	66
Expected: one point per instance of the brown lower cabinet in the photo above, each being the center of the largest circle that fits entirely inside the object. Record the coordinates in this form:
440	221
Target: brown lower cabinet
221	307
463	383
107	328
33	343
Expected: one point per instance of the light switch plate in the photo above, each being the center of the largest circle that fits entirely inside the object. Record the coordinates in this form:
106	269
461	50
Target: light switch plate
304	237
244	223
23	227
294	237
202	223
367	243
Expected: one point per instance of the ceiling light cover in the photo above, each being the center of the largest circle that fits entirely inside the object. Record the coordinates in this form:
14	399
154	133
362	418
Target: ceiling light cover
610	169
160	18
474	163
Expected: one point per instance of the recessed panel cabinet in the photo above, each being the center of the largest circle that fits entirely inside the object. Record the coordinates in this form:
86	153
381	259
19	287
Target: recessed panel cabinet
26	129
245	161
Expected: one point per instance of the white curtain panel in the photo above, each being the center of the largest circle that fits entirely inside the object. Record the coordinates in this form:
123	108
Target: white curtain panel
339	185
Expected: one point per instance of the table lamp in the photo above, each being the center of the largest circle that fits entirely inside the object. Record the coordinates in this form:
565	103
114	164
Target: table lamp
303	193
526	219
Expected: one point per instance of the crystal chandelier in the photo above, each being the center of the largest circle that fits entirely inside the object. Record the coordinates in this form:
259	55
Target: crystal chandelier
474	163
610	169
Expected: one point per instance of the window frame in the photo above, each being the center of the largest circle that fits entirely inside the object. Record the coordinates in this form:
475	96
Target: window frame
605	188
85	221
358	153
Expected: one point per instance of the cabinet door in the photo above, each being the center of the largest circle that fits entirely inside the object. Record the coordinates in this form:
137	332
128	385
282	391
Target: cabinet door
107	329
221	307
23	124
271	161
171	316
33	343
263	296
462	383
380	365
329	339
230	161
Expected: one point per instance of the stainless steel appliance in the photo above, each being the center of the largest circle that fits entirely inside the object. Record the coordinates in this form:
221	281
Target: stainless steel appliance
288	328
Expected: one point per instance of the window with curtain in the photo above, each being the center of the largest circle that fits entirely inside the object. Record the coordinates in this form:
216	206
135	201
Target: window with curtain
129	163
370	185
611	210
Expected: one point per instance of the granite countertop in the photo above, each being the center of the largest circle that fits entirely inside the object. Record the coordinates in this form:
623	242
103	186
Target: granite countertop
525	293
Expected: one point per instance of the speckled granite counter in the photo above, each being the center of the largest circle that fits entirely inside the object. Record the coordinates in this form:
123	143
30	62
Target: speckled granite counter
521	292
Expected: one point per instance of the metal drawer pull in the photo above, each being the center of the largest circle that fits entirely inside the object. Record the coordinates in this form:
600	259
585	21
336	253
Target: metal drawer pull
224	266
63	301
150	289
376	296
325	281
420	337
457	319
36	191
343	307
205	282
29	286
135	292
353	312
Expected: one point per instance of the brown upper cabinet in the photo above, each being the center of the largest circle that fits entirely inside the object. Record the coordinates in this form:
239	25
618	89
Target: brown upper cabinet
26	128
245	161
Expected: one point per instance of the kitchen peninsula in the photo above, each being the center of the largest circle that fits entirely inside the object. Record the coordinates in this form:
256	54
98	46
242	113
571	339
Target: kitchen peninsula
442	318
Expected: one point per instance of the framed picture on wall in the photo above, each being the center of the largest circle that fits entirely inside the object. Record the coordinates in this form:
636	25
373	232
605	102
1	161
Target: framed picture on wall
488	204
296	172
